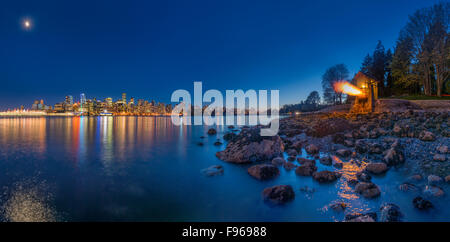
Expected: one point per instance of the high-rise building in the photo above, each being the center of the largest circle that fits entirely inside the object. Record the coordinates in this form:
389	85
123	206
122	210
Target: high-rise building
82	99
124	98
109	102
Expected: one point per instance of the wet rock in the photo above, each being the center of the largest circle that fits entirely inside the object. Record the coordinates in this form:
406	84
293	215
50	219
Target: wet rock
433	191
349	143
215	170
443	149
312	149
326	176
263	172
291	152
338	206
439	157
427	136
447	179
278	194
375	148
433	179
344	152
231	127
338	138
359	217
390	212
367	189
363	176
200	144
289	166
406	187
229	136
248	146
377	168
329	126
421	203
291	158
305	170
278	161
217	143
212	131
297	146
326	160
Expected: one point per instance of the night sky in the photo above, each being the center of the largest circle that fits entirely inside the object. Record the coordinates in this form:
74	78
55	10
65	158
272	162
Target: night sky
148	49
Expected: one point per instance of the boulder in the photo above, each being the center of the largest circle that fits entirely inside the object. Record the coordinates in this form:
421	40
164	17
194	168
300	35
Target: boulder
212	131
278	194
361	146
326	176
421	203
312	149
390	212
367	189
427	136
377	168
263	172
278	161
248	146
359	217
215	170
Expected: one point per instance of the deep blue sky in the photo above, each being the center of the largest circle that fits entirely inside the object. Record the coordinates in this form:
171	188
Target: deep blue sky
150	48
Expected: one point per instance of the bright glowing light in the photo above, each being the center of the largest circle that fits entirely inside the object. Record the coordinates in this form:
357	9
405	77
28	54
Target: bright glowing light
347	88
27	24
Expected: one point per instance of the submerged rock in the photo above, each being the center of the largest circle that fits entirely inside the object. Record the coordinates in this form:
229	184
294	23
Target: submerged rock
291	152
212	131
215	170
367	189
406	187
217	143
421	203
326	176
433	179
443	149
263	172
289	166
390	213
363	176
359	217
338	206
279	194
248	146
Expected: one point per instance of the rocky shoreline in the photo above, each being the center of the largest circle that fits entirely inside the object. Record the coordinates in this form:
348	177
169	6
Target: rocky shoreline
415	141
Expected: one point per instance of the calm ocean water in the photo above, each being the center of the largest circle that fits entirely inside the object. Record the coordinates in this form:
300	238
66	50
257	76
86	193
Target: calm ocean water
146	169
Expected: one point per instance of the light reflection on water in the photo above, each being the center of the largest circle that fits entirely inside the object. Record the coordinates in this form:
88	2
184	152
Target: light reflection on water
146	169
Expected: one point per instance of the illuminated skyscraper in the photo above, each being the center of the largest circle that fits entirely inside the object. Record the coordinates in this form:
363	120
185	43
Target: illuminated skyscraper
82	99
124	98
